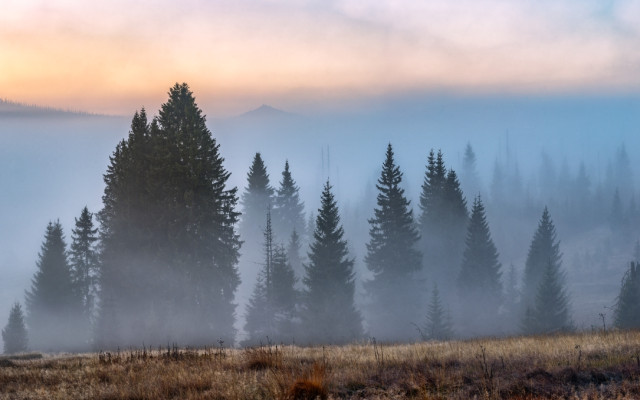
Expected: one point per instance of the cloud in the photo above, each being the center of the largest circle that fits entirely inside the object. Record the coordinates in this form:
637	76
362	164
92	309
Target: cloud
275	48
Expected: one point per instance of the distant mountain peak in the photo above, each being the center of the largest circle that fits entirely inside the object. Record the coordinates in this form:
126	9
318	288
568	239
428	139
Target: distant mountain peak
266	111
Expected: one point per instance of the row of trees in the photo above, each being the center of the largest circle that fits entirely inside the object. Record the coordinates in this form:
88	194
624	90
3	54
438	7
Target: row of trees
164	266
396	293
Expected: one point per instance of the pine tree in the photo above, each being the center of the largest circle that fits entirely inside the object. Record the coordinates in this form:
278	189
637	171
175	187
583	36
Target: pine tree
550	312
479	282
442	222
84	264
14	334
257	198
330	315
627	313
270	311
392	257
288	211
169	247
285	296
544	249
52	305
438	323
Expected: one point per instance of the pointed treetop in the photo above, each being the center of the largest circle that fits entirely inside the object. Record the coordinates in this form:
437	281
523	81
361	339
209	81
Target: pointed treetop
181	110
258	178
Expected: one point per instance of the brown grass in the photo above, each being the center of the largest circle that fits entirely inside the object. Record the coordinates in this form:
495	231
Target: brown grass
580	366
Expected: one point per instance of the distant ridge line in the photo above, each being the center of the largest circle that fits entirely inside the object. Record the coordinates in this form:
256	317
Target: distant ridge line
14	107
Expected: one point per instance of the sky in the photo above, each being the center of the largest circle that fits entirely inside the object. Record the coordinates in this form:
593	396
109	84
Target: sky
115	56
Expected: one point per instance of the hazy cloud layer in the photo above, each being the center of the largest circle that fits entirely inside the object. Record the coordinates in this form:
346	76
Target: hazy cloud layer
239	53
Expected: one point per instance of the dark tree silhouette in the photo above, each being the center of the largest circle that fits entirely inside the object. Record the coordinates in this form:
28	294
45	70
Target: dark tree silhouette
288	209
271	309
442	222
285	296
479	282
627	313
544	249
14	334
53	307
393	258
550	312
258	197
83	257
169	247
438	324
329	314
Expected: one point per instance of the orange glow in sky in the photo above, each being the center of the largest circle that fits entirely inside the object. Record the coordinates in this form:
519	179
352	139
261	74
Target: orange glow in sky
118	56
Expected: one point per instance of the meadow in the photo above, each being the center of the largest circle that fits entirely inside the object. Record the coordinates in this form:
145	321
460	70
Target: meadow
593	365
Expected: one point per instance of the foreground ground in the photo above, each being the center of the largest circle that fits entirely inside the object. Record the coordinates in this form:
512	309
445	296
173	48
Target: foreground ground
583	366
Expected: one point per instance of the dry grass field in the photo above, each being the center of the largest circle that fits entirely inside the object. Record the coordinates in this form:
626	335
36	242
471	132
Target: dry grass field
578	366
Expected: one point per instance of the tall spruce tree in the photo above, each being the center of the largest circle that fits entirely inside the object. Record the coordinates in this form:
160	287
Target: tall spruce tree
260	309
550	311
544	249
285	296
330	314
53	308
438	324
257	198
393	258
442	222
14	334
83	257
479	281
169	247
271	309
288	209
627	312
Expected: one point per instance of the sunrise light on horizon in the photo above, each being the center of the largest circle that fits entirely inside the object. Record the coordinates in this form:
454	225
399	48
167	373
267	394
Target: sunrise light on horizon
113	57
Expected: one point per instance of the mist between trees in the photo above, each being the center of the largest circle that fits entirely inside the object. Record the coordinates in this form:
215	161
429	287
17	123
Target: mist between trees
161	262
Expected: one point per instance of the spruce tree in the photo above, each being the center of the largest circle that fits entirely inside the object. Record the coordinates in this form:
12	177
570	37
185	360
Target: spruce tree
169	247
288	209
479	282
84	263
627	313
393	258
271	309
442	222
544	249
257	198
285	296
53	308
550	311
14	334
260	309
330	315
438	324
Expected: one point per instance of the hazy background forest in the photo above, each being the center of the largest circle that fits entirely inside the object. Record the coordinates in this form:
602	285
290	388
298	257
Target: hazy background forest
569	153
